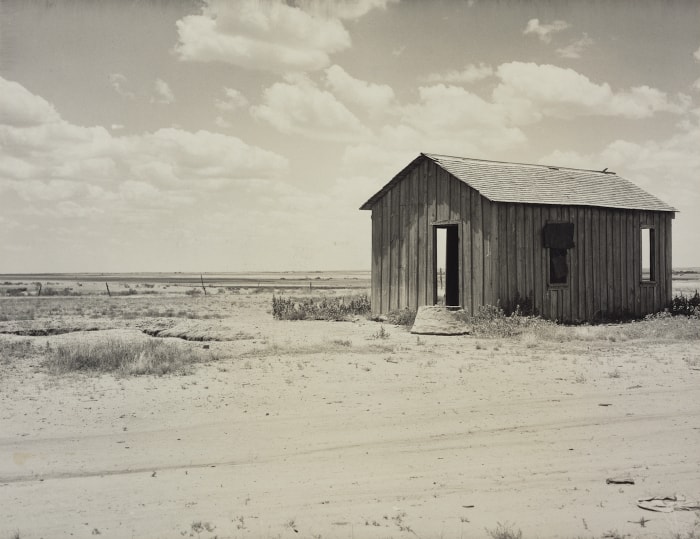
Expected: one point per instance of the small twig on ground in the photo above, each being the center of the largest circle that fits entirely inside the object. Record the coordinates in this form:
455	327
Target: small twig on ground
642	522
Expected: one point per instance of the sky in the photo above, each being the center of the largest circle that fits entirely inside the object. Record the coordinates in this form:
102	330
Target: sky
215	136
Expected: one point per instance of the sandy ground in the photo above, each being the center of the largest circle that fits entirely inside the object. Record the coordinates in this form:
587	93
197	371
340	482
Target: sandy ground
321	429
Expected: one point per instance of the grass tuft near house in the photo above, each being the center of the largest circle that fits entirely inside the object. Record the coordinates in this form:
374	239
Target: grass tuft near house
123	357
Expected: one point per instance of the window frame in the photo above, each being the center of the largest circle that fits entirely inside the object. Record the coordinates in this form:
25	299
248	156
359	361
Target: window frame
567	259
652	254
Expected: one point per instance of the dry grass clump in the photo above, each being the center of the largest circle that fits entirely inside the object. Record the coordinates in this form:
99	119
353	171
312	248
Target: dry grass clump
491	321
14	349
504	531
661	327
401	317
123	357
325	308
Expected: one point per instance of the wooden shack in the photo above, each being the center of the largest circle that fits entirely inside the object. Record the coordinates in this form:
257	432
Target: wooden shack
568	244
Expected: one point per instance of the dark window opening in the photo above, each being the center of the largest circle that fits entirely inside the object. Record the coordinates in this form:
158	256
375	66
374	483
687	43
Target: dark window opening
558	235
648	254
558	238
558	266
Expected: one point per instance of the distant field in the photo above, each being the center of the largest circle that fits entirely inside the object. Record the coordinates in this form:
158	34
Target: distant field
685	281
63	284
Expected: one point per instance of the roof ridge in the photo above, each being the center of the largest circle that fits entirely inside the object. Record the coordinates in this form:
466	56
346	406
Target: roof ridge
606	171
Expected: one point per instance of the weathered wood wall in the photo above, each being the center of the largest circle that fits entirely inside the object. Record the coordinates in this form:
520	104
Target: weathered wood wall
502	257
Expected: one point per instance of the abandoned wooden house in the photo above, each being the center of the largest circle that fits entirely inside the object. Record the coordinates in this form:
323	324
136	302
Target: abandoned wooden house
567	244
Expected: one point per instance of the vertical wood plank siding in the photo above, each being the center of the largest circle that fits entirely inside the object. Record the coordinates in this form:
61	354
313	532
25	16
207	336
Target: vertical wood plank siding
502	256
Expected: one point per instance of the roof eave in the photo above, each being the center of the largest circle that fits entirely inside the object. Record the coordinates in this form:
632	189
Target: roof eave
379	194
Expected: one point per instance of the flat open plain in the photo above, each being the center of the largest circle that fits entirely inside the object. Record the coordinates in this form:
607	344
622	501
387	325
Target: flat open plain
338	429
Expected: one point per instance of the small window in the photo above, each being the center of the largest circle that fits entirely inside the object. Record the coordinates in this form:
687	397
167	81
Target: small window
648	254
558	266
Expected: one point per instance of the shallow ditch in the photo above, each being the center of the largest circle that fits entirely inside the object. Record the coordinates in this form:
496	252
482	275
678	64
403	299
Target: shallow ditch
159	333
45	332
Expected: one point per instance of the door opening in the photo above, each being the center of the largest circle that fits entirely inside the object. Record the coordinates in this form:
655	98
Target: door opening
446	265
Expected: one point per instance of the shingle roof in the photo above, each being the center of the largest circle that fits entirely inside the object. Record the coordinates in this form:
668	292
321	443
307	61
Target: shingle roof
542	184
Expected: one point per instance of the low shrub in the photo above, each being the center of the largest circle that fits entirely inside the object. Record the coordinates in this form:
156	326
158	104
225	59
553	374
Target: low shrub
335	308
492	321
66	291
120	356
14	292
401	317
193	292
686	305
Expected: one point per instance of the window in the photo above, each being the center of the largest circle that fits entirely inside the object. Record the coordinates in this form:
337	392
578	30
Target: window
558	266
558	238
648	253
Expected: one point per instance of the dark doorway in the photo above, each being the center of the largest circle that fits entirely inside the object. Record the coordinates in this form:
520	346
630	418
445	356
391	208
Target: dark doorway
446	265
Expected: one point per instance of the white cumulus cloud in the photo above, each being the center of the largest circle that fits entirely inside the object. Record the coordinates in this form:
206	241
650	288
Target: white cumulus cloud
373	97
574	49
471	73
232	101
163	93
299	106
545	31
118	82
269	35
45	157
21	108
531	91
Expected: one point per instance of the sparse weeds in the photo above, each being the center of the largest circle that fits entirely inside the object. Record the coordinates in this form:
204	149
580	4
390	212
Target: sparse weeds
614	534
401	317
381	334
123	357
399	521
504	531
490	321
614	374
324	308
14	349
198	527
292	525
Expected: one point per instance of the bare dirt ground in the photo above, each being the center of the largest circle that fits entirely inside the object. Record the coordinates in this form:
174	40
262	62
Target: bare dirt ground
336	429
